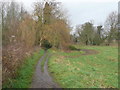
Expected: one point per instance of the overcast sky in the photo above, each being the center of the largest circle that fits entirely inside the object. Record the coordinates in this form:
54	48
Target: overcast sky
81	11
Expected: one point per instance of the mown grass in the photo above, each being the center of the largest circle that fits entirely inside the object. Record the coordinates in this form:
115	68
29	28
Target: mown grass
25	72
89	71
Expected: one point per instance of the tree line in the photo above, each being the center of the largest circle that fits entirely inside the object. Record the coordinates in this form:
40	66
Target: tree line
46	24
89	34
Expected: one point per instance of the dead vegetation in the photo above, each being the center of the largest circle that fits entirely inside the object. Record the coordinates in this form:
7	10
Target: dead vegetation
13	56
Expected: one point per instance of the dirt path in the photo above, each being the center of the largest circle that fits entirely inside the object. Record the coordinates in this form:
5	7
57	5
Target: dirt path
43	79
89	52
86	52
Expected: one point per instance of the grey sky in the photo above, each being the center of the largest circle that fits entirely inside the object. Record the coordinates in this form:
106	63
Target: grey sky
81	11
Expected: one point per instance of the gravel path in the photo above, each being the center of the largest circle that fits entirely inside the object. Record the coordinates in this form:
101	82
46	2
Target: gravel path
43	79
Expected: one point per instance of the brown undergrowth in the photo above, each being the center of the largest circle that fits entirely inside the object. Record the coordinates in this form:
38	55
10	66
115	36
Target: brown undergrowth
13	56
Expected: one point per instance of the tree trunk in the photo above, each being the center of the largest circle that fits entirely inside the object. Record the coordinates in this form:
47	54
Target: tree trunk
41	42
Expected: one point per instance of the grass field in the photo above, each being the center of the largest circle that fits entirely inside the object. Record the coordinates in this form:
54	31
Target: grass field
25	72
85	71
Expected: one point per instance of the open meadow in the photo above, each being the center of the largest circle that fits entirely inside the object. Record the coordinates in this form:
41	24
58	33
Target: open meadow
98	70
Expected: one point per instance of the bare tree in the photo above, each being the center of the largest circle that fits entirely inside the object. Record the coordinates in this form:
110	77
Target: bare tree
111	26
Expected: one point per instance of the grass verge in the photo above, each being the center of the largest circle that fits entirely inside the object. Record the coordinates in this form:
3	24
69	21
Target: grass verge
25	72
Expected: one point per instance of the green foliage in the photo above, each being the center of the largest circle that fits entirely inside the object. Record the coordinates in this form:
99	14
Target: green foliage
98	36
90	71
46	44
72	47
25	72
86	33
